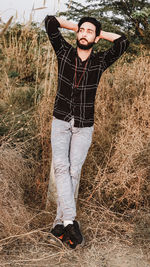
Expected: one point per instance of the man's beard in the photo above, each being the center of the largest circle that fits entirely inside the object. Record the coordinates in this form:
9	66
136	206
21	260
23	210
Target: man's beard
85	47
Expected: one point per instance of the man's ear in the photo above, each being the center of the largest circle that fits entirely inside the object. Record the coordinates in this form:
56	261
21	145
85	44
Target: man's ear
96	39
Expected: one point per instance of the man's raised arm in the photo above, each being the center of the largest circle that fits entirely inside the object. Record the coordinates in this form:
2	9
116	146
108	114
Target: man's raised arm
67	24
52	25
109	36
120	45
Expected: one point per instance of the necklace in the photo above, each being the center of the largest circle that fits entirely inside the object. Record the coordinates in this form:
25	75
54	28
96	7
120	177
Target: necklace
78	83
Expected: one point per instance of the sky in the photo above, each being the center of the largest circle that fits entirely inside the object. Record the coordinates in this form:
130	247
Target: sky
21	9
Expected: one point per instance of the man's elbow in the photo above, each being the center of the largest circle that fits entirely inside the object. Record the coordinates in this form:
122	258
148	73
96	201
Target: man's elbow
47	20
51	23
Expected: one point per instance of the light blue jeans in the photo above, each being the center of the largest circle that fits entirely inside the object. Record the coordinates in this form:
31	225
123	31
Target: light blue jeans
69	150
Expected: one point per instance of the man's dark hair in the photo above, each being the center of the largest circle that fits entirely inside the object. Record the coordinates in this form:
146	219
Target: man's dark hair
93	21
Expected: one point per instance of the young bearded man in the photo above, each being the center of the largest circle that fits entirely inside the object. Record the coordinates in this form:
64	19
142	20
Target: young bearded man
79	72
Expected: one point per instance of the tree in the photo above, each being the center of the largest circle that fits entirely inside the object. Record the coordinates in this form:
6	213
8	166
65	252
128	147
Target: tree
142	23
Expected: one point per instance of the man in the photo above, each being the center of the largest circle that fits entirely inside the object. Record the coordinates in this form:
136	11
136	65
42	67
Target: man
79	72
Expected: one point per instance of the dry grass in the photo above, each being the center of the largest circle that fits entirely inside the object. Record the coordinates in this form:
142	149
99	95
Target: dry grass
6	26
121	139
13	171
114	194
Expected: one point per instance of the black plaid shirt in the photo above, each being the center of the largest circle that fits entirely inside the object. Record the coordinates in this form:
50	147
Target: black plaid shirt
79	102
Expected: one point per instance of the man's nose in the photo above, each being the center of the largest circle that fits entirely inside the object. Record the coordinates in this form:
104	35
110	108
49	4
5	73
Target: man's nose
84	34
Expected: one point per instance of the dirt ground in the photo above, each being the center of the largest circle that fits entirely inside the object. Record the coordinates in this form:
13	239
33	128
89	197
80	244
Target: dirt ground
48	253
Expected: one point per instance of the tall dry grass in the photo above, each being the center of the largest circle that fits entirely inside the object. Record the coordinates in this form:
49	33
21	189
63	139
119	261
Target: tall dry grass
120	150
13	172
114	191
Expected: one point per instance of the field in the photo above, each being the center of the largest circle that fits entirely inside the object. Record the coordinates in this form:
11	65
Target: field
114	198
